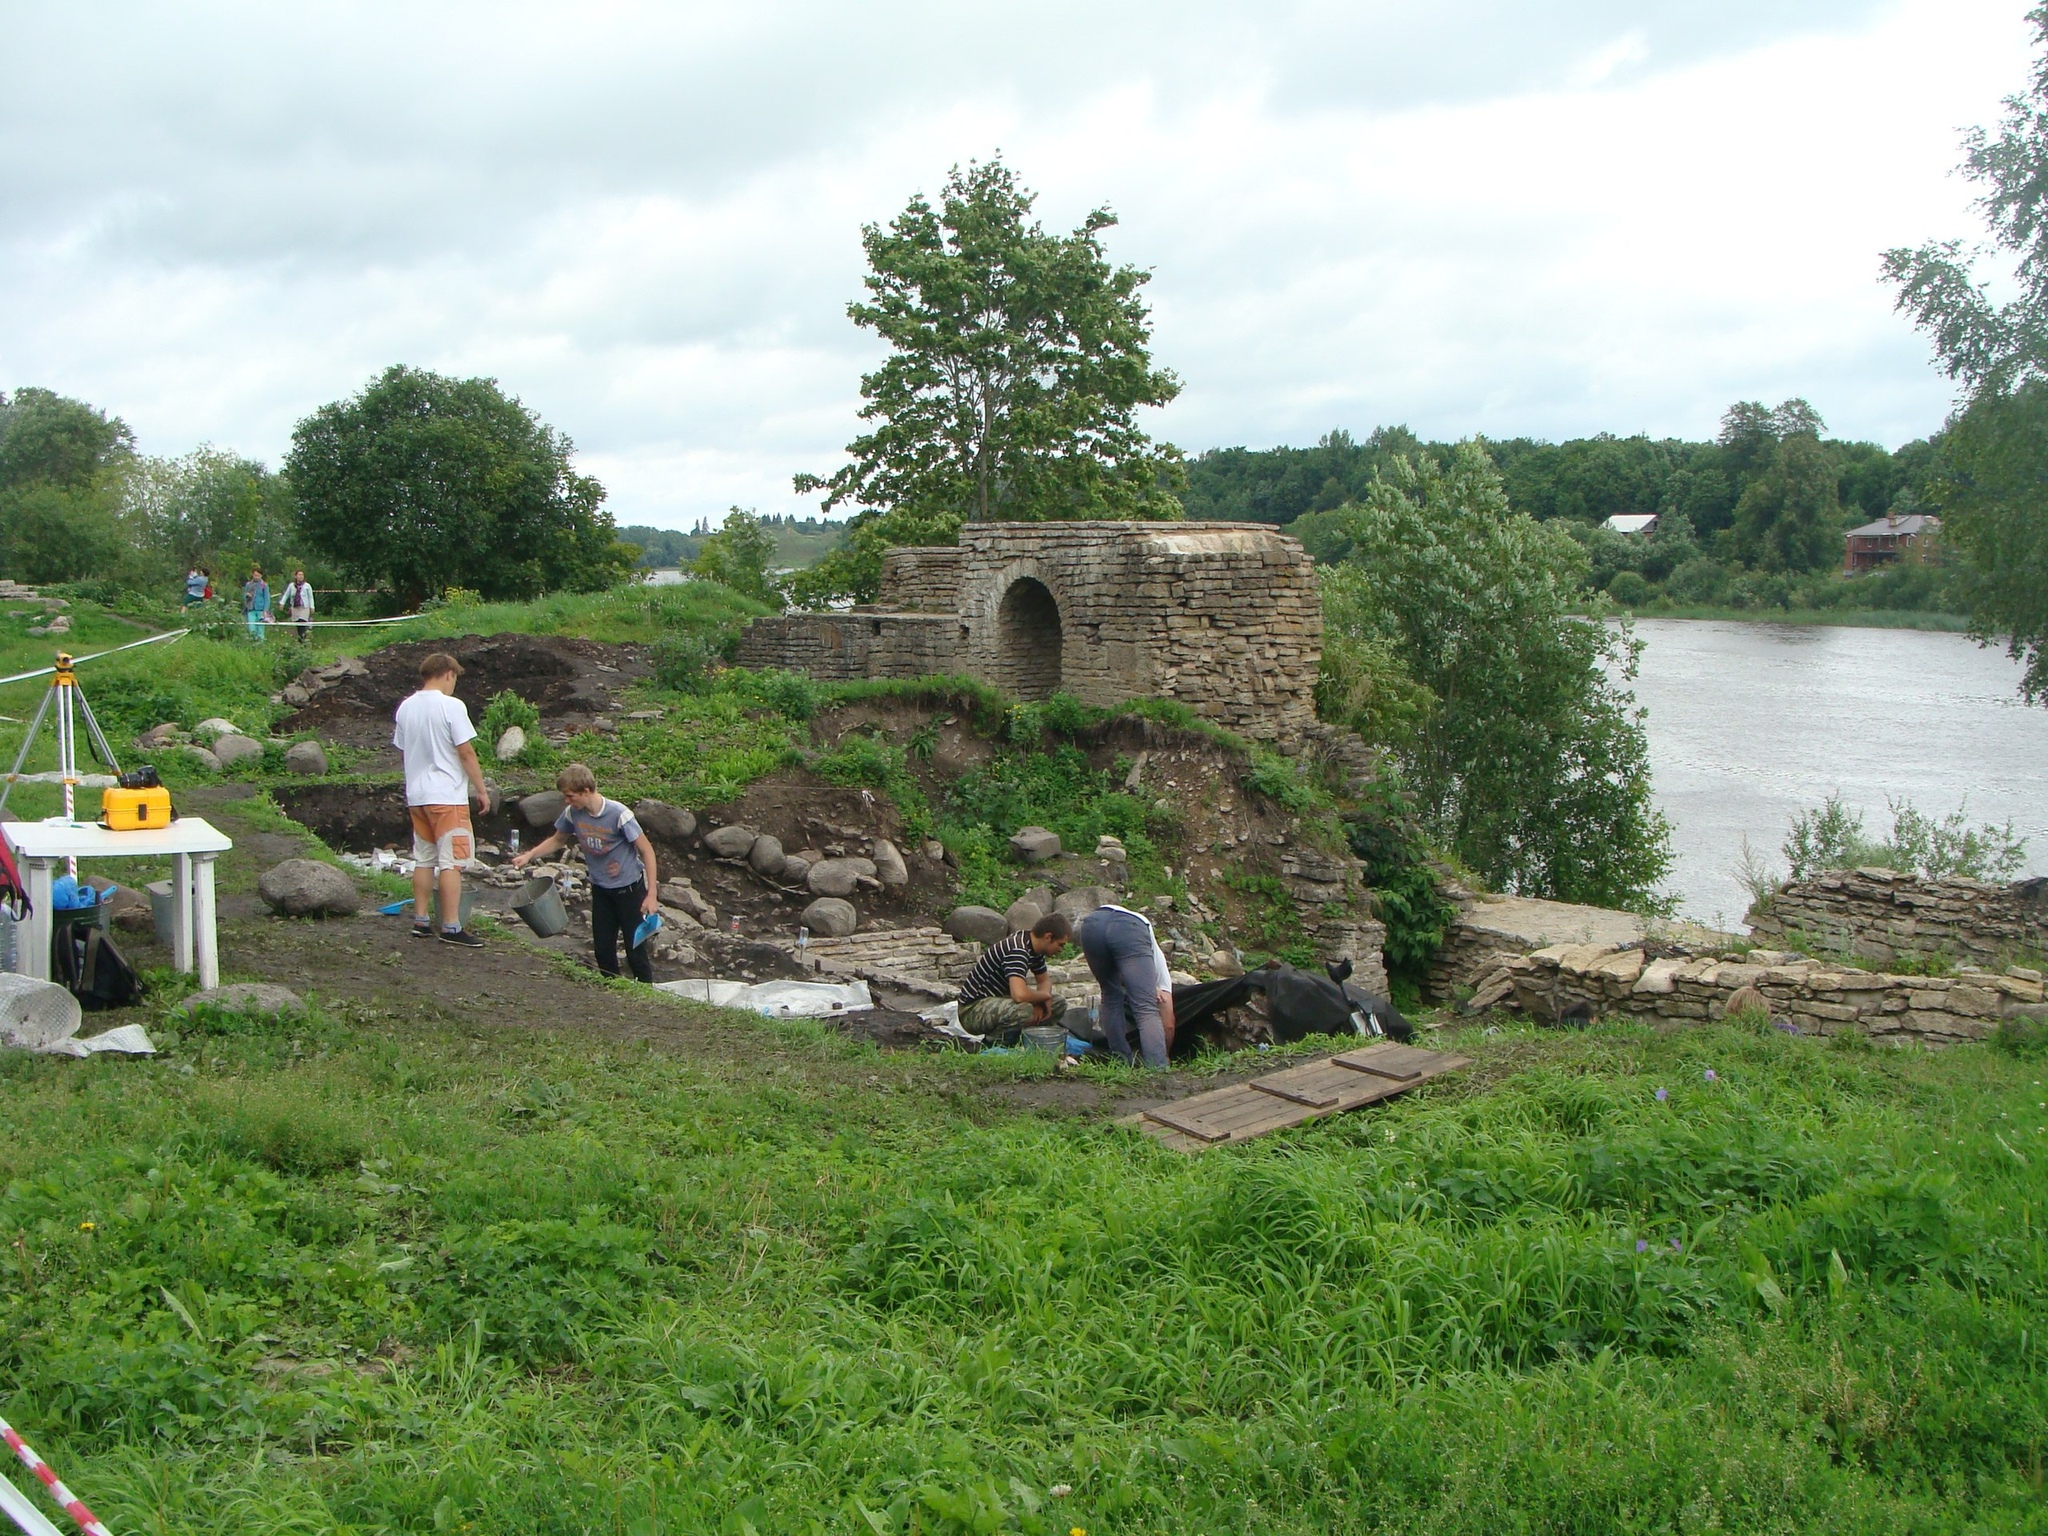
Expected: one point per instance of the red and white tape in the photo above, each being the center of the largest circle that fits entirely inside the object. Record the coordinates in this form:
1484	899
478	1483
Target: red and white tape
74	1506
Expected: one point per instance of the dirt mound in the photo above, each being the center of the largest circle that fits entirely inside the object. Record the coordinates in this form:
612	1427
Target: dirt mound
357	818
571	682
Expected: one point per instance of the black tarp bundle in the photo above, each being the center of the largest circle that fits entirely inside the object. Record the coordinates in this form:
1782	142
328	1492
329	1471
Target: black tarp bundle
1298	1004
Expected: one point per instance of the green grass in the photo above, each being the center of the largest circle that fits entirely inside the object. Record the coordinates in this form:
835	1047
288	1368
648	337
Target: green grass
337	1276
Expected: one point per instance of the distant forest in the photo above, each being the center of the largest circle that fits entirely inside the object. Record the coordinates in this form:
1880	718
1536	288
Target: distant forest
1751	520
799	541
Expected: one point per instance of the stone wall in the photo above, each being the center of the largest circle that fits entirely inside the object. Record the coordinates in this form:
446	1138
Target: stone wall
1224	617
1320	885
1882	916
1492	930
1800	994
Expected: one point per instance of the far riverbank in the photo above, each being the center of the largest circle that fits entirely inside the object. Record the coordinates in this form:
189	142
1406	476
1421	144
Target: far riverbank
1840	618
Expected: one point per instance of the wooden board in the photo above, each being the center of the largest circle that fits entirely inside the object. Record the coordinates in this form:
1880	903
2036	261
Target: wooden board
1293	1096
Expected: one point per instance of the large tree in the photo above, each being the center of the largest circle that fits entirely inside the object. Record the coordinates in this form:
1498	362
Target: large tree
1454	637
1018	362
1995	492
62	467
423	483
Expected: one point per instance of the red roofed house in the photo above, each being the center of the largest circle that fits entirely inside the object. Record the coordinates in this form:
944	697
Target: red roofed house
1911	537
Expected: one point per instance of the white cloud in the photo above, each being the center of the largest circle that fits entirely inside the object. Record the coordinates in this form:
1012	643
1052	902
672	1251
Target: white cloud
645	219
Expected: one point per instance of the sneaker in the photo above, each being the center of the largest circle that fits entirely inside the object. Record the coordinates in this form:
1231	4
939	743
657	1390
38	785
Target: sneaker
458	936
423	930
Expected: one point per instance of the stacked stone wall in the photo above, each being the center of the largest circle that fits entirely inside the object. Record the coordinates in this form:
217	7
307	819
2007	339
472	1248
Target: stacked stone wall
1800	994
1884	917
1224	617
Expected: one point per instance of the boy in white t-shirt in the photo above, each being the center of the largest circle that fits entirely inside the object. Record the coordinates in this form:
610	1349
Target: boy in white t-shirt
435	735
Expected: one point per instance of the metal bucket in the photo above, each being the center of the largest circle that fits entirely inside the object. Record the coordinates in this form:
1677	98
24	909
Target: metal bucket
466	906
163	905
1046	1037
539	906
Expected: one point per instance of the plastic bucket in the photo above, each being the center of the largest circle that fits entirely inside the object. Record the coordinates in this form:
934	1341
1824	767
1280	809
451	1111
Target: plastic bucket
539	906
1046	1037
467	905
162	906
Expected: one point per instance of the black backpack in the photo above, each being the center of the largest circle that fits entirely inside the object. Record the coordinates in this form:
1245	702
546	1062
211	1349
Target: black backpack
85	961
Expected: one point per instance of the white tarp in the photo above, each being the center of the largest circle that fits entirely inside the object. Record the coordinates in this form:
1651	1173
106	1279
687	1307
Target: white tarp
777	999
42	1016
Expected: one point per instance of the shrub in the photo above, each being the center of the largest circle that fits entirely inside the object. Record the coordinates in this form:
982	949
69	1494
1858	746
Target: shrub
1629	589
506	710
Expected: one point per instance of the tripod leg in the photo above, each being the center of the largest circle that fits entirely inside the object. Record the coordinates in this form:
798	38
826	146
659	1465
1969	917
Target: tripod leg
101	750
28	741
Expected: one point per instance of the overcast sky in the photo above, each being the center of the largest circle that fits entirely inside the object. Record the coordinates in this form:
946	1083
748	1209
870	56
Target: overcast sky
1467	216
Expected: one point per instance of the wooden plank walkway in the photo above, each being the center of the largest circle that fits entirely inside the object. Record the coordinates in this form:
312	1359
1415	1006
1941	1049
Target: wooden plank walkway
1348	1080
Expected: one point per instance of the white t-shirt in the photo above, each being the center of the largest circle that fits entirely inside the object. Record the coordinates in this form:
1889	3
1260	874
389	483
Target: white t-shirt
431	725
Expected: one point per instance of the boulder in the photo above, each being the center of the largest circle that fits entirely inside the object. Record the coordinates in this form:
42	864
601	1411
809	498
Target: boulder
766	856
1021	914
983	924
206	730
1077	904
1034	845
230	750
1040	896
889	866
204	759
308	888
676	917
796	869
670	823
1225	963
307	757
680	893
834	877
244	997
157	737
511	743
935	850
730	842
542	810
830	918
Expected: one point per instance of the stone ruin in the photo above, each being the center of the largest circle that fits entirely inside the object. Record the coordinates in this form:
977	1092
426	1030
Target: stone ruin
1223	617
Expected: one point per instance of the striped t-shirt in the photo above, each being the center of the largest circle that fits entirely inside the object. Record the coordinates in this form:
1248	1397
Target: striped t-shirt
1010	956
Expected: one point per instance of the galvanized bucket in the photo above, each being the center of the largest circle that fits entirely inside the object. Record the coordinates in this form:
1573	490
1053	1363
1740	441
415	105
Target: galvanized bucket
540	906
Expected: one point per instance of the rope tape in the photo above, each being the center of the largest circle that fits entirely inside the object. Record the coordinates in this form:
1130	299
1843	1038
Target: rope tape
73	1505
171	634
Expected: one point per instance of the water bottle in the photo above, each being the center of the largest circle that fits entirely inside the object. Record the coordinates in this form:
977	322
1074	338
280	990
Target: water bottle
512	844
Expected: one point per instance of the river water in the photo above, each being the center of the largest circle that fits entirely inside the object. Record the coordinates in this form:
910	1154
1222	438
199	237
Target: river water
1751	723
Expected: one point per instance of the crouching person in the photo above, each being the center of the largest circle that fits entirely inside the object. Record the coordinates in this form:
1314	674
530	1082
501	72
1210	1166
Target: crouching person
620	859
1009	986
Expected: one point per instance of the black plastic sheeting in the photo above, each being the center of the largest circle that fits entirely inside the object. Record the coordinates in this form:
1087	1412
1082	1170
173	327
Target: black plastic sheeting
1298	1004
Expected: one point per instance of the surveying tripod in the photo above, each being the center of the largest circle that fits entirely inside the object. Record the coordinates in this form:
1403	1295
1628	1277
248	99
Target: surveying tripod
65	693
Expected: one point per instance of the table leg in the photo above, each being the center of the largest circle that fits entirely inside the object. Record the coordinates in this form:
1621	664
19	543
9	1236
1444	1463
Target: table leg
206	948
35	933
181	911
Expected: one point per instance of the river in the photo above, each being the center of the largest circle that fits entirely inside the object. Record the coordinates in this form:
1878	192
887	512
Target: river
1751	723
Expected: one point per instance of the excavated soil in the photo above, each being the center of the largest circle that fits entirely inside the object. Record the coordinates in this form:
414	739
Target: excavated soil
573	683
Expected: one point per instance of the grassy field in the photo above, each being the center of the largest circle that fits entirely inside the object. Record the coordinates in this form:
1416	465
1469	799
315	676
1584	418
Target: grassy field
1847	618
351	1275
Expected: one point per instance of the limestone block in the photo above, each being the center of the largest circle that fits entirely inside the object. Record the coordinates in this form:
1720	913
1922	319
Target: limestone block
1658	976
1622	968
1034	845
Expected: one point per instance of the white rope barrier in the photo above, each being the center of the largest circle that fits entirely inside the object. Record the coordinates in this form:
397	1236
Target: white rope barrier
23	677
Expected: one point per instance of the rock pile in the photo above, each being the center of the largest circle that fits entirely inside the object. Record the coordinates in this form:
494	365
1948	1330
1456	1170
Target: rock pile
1883	916
1801	994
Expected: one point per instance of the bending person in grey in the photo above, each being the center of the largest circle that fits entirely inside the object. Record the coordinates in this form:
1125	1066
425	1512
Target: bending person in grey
1136	984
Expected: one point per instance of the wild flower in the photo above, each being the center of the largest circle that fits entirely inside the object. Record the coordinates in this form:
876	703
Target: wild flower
1711	1076
1642	1245
1677	1246
1663	1094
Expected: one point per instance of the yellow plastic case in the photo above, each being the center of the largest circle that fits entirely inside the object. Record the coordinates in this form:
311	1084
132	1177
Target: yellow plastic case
135	810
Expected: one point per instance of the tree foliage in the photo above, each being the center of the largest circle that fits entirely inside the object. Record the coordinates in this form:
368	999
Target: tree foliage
1995	496
1525	759
422	482
741	555
1018	362
1790	515
62	463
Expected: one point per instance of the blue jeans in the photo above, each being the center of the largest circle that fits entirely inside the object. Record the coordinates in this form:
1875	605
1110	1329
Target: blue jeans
1118	948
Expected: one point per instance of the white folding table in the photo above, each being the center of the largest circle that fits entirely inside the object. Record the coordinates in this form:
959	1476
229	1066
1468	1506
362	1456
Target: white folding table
191	845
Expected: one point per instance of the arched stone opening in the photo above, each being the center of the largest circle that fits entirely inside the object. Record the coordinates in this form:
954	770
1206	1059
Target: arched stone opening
1028	641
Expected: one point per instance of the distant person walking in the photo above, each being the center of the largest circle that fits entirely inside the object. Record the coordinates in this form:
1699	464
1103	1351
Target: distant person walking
195	587
442	776
256	604
1137	984
298	604
623	882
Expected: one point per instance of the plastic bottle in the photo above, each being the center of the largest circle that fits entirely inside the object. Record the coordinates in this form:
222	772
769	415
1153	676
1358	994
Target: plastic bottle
512	843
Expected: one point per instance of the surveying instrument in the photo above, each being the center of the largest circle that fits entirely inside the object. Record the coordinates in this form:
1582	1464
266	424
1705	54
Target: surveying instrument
70	705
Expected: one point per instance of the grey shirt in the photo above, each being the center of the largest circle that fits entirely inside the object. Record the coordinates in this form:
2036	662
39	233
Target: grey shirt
607	840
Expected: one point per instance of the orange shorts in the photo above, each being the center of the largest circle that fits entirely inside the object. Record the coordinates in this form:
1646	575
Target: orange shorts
441	836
